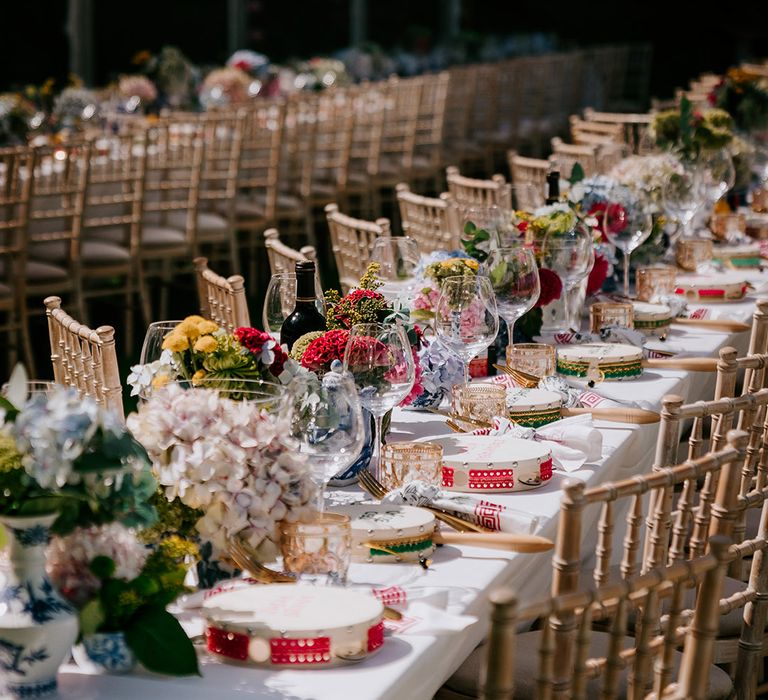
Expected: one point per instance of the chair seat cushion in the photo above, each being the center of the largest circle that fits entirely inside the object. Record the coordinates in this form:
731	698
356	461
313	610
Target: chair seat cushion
91	252
254	206
38	272
464	683
150	235
206	221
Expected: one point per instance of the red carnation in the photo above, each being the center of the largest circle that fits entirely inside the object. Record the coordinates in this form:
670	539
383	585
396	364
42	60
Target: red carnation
278	364
324	350
551	286
598	211
522	226
598	274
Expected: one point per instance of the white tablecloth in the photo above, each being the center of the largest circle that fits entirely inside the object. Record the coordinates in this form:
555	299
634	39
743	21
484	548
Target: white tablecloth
411	667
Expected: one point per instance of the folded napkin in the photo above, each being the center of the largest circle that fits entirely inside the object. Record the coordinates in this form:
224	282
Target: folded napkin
476	510
573	441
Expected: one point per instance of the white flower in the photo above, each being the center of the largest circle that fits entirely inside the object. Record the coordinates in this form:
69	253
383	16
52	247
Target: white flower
228	459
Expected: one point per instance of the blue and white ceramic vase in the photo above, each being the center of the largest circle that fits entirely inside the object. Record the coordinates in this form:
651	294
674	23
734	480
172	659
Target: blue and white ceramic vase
107	651
37	625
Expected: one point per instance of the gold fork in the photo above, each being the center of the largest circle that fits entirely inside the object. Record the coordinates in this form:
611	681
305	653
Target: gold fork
525	380
374	487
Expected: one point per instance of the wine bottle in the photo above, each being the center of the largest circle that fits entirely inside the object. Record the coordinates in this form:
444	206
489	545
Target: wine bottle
553	187
305	317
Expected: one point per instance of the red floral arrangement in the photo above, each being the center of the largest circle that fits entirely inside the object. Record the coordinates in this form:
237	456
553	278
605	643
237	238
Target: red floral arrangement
551	286
322	351
359	306
598	274
256	342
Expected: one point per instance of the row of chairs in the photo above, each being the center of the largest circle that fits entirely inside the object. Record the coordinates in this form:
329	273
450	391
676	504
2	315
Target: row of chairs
613	628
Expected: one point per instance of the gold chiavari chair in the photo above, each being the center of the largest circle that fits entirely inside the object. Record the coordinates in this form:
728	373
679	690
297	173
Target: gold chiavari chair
398	138
460	146
83	358
469	192
15	183
173	164
222	299
599	666
591	133
638	496
283	258
430	129
432	222
528	171
371	108
566	155
500	134
352	240
634	125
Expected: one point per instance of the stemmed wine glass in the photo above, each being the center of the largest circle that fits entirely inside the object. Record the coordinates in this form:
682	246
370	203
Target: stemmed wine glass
398	257
717	177
280	300
682	199
466	317
153	340
626	224
327	421
379	358
571	256
493	219
514	277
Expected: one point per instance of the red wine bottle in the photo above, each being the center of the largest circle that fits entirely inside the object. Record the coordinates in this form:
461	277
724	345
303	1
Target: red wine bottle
553	187
305	317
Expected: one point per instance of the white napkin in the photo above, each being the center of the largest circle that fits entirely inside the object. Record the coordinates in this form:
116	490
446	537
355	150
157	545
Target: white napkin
479	511
573	441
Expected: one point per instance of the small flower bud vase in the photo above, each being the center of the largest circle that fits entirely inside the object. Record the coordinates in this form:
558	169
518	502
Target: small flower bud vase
37	626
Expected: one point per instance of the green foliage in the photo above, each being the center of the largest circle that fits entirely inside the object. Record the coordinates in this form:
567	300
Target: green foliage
472	239
529	324
688	131
160	643
577	174
173	518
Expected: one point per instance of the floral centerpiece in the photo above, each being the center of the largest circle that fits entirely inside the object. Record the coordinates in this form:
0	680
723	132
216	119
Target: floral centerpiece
74	106
16	114
227	467
171	71
138	90
65	463
121	589
201	353
434	273
744	95
688	132
224	87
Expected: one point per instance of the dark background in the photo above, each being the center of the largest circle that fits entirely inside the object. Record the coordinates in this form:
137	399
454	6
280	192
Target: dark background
688	37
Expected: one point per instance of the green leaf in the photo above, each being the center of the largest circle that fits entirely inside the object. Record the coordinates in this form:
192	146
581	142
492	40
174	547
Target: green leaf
577	173
91	617
103	566
469	228
497	273
160	643
10	410
529	324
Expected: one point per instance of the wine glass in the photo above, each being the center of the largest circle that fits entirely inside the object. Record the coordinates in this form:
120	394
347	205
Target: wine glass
718	175
514	277
153	340
466	317
626	224
682	199
327	421
493	219
280	300
380	360
571	256
398	257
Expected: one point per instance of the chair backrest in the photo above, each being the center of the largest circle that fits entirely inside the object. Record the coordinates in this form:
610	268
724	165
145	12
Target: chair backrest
371	108
83	358
258	172
222	146
115	186
566	155
567	669
432	222
329	159
459	107
398	137
283	258
634	125
532	172
173	171
222	299
470	192
15	187
586	132
430	123
352	240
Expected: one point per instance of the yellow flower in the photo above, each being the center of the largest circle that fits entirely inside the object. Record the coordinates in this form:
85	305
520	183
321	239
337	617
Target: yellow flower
160	381
472	264
176	342
197	376
206	327
189	327
205	343
446	263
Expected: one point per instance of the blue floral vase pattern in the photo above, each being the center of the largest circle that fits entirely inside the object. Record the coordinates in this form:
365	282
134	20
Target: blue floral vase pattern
110	652
37	626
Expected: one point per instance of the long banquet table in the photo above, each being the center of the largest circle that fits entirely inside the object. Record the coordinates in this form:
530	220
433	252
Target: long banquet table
412	666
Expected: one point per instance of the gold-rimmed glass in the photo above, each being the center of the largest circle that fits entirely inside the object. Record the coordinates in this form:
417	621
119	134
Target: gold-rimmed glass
318	549
691	253
538	359
655	282
604	314
403	462
479	401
